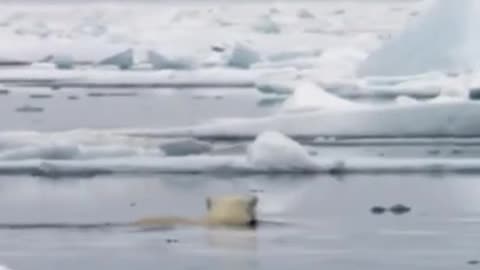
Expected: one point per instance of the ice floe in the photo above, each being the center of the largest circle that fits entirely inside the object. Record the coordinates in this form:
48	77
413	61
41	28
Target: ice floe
436	119
90	153
419	48
214	77
270	153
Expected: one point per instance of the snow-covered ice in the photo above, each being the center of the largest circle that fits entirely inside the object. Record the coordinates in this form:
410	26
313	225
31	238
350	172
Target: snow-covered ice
452	118
275	151
310	54
309	97
441	39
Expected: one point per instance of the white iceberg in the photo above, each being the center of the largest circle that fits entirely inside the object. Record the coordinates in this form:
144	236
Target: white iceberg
444	38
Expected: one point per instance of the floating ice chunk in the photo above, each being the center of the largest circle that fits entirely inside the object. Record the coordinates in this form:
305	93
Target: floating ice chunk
266	25
275	151
122	60
185	147
308	96
159	61
243	56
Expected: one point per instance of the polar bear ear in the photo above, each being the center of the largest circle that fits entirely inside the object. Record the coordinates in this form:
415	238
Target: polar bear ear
209	203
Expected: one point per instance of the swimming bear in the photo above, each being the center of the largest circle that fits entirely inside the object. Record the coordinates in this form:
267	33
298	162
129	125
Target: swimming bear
227	210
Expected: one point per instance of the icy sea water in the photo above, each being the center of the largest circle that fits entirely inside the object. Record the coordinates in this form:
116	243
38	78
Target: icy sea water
67	109
327	220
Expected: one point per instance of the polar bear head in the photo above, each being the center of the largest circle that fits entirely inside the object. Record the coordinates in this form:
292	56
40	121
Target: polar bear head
232	210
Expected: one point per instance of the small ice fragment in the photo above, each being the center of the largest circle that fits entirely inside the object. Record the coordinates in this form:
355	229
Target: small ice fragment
309	96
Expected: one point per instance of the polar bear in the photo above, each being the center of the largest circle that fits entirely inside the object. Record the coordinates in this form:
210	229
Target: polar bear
227	210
